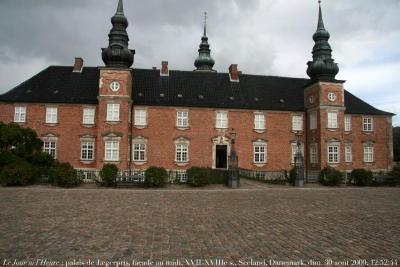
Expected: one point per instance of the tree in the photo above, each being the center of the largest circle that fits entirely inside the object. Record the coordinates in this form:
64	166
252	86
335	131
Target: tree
396	143
21	158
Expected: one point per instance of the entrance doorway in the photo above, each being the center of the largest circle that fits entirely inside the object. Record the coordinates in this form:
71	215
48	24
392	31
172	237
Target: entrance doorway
221	156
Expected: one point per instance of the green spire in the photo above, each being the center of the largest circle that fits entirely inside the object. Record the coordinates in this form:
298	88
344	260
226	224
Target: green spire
322	67
204	61
117	54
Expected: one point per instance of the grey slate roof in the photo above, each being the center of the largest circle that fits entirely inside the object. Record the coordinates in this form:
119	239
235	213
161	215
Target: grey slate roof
58	84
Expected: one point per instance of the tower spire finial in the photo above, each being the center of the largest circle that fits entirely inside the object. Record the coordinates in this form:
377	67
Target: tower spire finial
117	54
204	62
322	67
120	8
205	24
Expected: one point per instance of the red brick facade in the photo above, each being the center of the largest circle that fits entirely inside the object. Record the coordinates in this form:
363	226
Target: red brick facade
160	134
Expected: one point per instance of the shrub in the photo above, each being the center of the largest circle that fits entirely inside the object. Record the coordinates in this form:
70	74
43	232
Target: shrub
64	175
7	157
18	172
198	176
395	171
155	177
108	175
217	176
292	176
361	177
330	176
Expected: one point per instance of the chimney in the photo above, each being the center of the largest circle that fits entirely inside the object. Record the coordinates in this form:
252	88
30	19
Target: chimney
164	69
78	65
233	73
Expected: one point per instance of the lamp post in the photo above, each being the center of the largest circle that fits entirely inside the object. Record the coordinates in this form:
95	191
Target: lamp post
233	170
299	162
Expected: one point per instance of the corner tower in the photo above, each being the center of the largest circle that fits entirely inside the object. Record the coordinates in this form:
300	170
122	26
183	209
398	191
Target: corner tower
324	103
115	92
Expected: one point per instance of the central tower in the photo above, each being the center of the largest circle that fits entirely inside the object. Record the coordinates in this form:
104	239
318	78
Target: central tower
115	96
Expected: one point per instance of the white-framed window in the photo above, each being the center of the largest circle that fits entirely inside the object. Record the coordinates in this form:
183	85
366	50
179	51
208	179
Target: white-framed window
221	120
181	176
368	153
51	114
87	150
332	120
259	121
88	115
113	112
140	117
333	153
260	152
139	152
367	124
181	152
347	123
313	120
20	114
294	150
313	153
182	118
111	150
297	122
348	155
50	147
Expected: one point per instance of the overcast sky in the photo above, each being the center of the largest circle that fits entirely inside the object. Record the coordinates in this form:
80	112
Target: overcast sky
268	37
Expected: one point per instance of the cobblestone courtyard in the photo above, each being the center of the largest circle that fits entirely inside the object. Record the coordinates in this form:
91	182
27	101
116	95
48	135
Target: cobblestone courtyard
256	223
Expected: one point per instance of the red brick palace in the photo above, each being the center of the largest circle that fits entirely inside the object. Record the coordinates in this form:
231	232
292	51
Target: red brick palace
136	118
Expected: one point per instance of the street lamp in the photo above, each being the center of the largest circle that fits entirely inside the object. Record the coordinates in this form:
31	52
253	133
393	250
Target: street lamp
233	170
299	162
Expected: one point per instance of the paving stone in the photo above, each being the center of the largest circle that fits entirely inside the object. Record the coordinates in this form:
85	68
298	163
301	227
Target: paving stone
258	222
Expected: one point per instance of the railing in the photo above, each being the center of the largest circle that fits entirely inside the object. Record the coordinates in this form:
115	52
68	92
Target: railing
264	176
130	176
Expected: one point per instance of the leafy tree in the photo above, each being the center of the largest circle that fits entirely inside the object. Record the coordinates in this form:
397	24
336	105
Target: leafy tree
21	141
396	143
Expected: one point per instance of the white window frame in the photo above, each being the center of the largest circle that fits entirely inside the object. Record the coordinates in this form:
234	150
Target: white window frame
367	123
111	150
181	152
313	120
368	153
333	153
182	118
259	121
139	152
332	120
140	117
87	150
347	123
50	147
294	150
88	116
314	153
348	154
20	114
113	111
221	120
260	152
297	122
51	114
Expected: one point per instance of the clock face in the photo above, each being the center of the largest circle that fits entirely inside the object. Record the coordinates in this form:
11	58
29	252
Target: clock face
331	96
114	86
